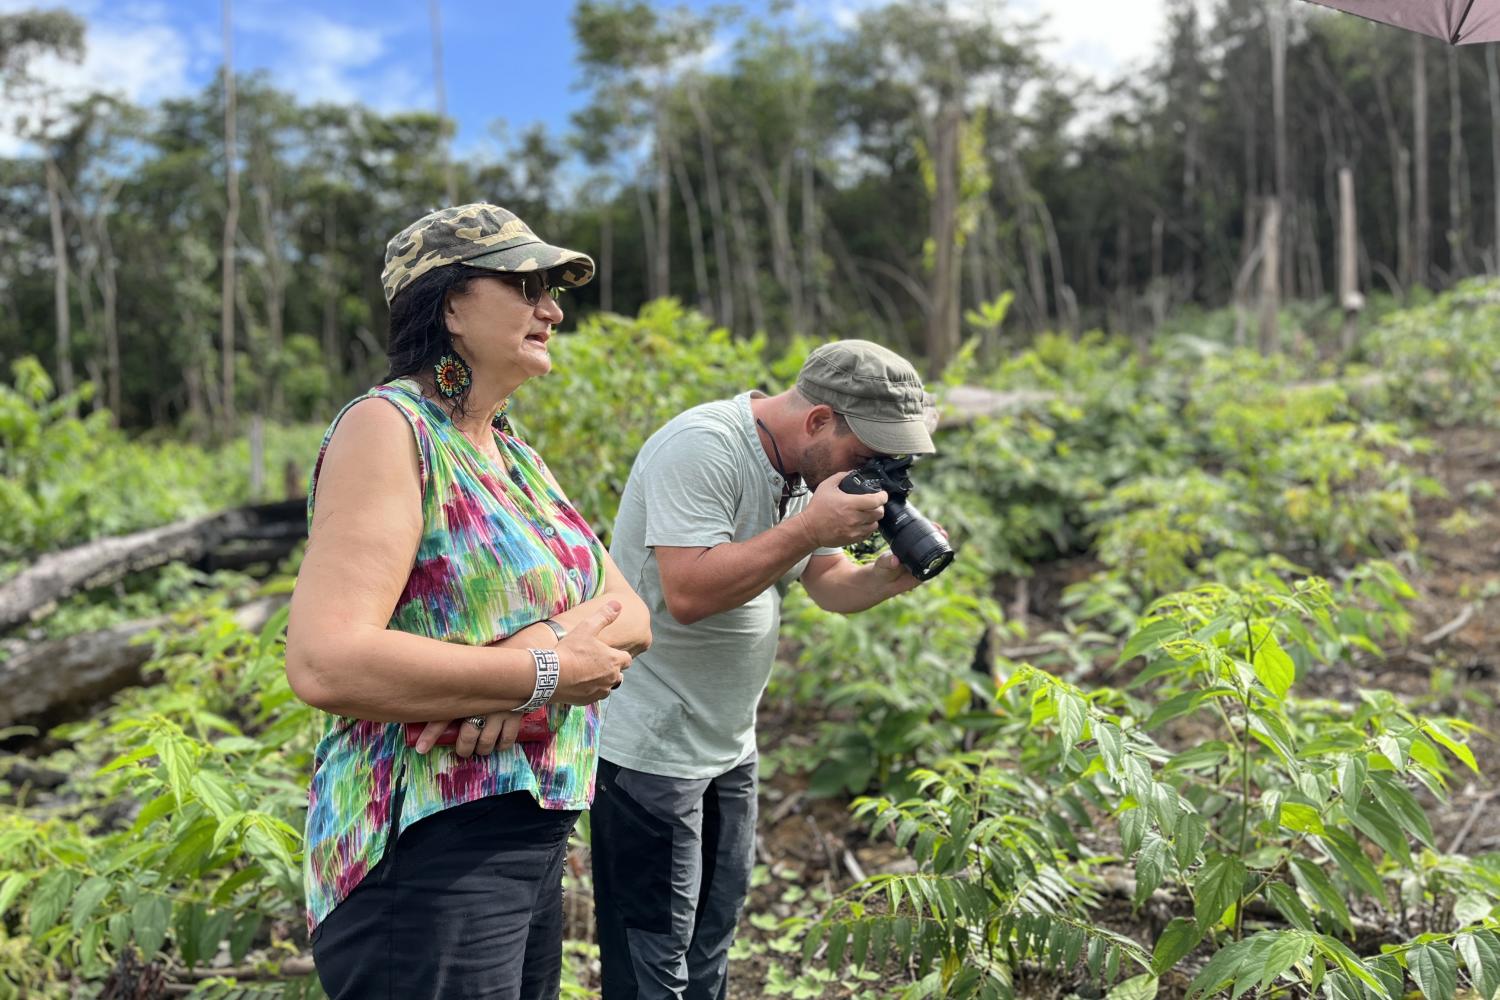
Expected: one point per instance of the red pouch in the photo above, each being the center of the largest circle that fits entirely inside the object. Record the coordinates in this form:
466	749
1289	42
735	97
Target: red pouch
534	729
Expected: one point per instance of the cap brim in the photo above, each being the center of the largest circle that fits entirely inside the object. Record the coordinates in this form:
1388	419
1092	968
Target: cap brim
569	267
905	437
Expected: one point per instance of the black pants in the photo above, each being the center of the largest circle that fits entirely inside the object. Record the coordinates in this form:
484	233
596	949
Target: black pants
466	903
672	860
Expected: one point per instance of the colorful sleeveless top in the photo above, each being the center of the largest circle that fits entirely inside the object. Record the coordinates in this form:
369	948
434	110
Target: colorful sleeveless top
501	549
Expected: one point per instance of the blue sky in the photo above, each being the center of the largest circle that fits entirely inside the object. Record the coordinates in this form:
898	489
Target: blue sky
504	60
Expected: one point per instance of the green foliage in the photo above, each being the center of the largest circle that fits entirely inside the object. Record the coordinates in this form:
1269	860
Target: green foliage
616	380
1277	805
179	832
66	479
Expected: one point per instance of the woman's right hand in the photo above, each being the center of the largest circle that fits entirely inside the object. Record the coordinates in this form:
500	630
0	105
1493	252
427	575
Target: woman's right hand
588	667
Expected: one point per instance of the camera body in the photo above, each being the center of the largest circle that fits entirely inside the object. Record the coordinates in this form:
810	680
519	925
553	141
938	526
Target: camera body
919	546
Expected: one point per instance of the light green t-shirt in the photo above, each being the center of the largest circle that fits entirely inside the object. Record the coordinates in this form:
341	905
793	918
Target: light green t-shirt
687	706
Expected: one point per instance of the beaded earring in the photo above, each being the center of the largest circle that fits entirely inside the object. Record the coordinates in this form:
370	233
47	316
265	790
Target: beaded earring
452	375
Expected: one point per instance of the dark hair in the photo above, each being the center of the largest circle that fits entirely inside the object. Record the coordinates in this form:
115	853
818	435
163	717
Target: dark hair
419	334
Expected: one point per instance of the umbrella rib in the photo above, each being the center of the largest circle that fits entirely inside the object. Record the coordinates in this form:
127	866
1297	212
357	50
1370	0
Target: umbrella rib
1458	29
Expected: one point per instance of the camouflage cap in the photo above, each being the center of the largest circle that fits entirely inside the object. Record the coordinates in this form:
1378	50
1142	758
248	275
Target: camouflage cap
478	235
877	391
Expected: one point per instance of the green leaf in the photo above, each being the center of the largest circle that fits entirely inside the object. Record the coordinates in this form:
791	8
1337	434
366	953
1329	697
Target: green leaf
1313	882
1176	941
1470	908
1192	831
50	899
1301	818
1274	667
1434	969
1132	828
1286	950
1150	867
1352	782
1353	862
1394	796
1381	827
1148	636
1457	749
215	793
1481	952
11	887
88	896
151	915
1142	987
1285	899
1217	886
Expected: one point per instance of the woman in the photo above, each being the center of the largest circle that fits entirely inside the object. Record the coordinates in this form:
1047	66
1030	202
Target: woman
447	577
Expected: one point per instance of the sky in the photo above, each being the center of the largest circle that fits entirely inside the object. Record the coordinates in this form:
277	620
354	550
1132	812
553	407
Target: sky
512	61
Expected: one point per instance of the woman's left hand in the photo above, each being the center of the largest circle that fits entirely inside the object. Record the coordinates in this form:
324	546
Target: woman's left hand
499	733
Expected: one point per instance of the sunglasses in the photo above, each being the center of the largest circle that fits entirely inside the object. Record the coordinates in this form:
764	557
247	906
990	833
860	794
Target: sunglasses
532	285
788	492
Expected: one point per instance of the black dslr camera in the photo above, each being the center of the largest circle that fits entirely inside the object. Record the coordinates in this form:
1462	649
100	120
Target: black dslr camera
919	546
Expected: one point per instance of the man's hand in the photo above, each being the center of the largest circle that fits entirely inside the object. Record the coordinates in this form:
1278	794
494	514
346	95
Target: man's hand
834	518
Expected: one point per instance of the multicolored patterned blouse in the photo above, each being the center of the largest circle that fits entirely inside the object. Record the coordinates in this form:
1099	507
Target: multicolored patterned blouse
501	549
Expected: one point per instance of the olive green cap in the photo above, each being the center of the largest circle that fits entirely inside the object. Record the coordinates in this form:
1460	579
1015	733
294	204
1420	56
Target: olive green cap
877	390
478	235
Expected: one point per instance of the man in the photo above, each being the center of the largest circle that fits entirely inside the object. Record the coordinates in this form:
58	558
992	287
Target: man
714	525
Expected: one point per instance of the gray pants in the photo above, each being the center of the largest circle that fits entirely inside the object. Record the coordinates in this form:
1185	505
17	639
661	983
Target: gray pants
672	860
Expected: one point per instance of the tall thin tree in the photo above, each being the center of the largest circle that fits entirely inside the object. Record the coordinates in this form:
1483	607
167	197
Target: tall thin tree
231	225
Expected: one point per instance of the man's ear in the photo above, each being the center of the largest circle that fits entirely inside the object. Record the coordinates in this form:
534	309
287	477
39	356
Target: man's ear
818	417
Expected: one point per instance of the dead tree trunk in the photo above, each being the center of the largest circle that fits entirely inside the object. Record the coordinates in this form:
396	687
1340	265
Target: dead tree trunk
942	329
1350	299
60	278
1422	253
1458	261
1493	71
661	264
1270	277
45	683
271	530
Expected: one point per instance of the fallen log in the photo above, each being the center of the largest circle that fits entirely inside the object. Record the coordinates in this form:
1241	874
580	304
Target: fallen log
42	682
961	405
267	531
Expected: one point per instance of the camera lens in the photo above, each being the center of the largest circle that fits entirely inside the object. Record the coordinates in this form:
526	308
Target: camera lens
919	546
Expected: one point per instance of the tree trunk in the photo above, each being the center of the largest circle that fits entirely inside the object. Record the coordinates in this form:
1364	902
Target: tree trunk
274	282
231	227
695	233
607	257
1401	181
723	267
41	683
1276	21
1270	278
56	575
1458	258
332	355
1350	300
109	291
1422	252
783	255
1493	71
661	265
744	251
60	307
942	322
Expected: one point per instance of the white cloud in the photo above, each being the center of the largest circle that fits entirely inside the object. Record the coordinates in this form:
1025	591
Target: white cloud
1100	38
140	62
323	60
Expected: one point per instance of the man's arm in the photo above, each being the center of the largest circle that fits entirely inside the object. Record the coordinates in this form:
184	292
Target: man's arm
706	580
839	584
